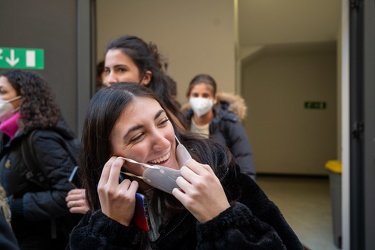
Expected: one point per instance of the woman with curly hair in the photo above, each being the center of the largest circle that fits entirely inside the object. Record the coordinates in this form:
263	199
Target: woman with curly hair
27	106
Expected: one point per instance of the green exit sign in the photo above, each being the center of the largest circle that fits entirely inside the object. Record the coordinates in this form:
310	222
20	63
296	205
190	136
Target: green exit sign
21	58
315	105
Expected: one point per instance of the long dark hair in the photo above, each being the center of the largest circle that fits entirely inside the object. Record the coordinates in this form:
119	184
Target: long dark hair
146	57
103	111
38	108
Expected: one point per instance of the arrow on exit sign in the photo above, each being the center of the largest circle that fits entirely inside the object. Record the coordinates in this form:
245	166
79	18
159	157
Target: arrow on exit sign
21	58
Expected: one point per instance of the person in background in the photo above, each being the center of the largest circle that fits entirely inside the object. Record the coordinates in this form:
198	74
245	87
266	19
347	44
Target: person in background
195	196
4	206
218	116
172	88
100	74
27	105
130	59
76	197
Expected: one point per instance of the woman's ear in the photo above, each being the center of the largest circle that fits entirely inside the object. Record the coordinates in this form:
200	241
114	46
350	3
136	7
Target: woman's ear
146	78
215	100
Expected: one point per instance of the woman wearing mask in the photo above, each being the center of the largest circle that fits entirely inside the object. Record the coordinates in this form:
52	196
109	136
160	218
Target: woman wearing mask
217	116
195	198
27	106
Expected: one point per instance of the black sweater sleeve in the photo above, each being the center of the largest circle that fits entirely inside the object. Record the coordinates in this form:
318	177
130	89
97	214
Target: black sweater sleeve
97	231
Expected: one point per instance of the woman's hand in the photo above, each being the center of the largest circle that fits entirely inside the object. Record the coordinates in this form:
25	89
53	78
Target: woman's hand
76	201
200	191
117	200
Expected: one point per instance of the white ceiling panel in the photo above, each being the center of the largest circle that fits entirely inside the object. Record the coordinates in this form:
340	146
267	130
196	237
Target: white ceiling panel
263	22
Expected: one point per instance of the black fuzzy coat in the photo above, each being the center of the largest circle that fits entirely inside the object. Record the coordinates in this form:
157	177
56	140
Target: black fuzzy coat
252	222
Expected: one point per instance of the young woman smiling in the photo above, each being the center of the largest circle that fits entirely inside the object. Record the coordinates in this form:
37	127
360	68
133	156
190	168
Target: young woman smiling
130	146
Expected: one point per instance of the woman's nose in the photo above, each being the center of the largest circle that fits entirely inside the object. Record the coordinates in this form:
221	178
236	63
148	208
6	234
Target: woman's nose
160	142
111	78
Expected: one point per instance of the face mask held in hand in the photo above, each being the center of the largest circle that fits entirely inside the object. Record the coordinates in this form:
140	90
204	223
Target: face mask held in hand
160	177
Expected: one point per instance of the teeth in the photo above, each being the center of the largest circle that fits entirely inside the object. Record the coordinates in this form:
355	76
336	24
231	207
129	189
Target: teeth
164	158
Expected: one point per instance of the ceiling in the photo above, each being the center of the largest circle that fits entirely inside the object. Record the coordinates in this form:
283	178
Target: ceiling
268	22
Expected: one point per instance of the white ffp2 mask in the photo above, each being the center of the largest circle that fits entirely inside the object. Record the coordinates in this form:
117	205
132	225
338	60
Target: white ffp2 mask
200	105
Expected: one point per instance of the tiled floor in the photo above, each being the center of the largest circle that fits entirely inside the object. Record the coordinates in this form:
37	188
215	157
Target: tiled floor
306	204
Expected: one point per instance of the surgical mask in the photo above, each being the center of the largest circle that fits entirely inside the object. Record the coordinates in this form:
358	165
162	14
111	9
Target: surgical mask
7	109
160	177
200	105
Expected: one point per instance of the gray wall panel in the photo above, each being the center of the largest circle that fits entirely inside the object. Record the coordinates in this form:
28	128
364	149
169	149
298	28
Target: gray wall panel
52	26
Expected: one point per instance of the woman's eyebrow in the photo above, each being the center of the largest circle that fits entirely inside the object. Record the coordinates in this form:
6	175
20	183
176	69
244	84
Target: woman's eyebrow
120	66
133	129
159	113
141	126
116	66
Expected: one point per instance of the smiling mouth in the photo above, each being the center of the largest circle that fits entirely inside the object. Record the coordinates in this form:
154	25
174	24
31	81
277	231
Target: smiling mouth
161	159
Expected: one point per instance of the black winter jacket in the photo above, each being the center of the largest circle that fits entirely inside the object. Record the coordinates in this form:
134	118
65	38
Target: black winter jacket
33	207
252	222
226	128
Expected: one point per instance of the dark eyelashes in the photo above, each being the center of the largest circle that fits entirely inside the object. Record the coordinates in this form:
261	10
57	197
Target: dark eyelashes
164	121
139	137
136	138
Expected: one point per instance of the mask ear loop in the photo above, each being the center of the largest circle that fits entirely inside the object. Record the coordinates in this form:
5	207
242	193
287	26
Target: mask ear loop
133	175
15	98
135	162
142	164
11	100
179	143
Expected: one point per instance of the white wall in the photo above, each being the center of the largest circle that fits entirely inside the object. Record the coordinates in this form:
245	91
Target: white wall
345	123
196	36
199	37
286	137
